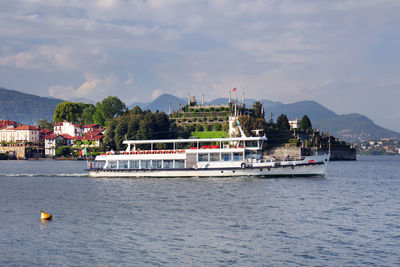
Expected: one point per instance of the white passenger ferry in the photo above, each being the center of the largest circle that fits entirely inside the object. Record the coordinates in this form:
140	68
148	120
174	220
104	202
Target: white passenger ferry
215	157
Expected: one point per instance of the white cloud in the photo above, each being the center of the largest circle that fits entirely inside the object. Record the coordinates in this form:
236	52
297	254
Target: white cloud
129	81
63	92
45	57
286	50
156	93
93	87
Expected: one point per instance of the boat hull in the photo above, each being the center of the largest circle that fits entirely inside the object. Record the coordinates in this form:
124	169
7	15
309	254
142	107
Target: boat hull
289	170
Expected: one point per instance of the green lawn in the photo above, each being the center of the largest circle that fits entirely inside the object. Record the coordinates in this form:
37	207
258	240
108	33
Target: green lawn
210	134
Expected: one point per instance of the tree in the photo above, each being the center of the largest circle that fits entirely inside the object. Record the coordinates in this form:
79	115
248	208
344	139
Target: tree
136	110
64	151
138	125
282	123
111	107
305	124
133	125
67	111
258	110
70	111
88	114
44	124
121	130
98	117
109	140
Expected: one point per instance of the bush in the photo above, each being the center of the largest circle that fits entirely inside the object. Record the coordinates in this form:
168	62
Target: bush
63	151
199	128
217	127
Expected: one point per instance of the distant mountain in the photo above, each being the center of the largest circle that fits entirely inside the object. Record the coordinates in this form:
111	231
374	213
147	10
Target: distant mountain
26	108
312	109
349	127
82	100
354	128
161	103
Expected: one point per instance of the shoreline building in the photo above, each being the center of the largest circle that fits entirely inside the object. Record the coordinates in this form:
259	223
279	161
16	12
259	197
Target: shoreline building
74	135
19	140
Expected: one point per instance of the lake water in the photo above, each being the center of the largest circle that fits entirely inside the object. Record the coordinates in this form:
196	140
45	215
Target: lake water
351	217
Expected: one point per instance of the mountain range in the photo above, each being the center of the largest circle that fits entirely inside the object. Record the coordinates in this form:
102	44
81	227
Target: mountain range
349	127
29	108
26	108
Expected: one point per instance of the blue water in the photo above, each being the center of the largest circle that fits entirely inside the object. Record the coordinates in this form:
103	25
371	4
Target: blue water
351	217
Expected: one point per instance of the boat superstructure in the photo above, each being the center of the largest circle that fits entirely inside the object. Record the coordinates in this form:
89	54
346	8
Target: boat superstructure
213	157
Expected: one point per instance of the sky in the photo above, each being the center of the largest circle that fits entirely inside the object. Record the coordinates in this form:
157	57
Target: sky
344	54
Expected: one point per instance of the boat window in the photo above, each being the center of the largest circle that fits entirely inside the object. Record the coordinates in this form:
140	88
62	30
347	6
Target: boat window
145	164
168	164
251	144
203	157
180	164
123	164
156	164
226	156
214	157
99	164
112	164
237	156
134	164
250	154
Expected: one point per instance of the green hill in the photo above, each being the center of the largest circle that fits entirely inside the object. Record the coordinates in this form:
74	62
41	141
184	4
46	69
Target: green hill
26	108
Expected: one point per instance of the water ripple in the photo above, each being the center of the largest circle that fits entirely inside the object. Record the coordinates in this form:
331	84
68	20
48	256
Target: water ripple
348	218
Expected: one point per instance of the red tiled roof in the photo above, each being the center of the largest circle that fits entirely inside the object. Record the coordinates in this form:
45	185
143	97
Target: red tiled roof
45	131
94	132
51	136
58	124
27	127
96	137
5	123
90	126
67	136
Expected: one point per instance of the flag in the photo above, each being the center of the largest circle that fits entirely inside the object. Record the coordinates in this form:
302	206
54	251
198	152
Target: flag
234	90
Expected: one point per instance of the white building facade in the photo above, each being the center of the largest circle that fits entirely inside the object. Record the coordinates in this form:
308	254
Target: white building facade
24	133
294	124
50	144
68	128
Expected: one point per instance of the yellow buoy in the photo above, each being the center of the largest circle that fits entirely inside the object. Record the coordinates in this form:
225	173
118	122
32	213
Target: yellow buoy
45	216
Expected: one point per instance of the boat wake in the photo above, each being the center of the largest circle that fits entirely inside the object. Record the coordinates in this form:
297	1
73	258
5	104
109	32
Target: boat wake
44	175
